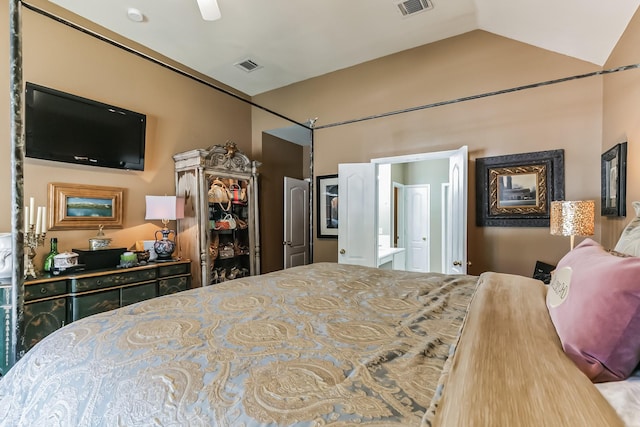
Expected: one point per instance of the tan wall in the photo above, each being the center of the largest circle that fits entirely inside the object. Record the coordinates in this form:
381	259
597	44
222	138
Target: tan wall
567	116
182	114
621	120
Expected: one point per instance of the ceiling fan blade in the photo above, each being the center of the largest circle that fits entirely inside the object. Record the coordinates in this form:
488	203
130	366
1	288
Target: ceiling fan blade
209	10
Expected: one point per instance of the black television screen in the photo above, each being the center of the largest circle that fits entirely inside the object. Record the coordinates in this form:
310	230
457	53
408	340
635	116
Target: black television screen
68	128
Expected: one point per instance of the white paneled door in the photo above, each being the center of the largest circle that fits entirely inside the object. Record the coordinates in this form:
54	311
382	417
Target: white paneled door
417	226
296	222
357	214
456	233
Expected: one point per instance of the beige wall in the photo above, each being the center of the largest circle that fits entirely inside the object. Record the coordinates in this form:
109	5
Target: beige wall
182	114
567	116
622	120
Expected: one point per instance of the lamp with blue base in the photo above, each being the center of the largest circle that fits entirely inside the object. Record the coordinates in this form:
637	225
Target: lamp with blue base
164	208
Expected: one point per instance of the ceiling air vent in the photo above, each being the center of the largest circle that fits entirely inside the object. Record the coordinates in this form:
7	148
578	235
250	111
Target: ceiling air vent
411	7
248	65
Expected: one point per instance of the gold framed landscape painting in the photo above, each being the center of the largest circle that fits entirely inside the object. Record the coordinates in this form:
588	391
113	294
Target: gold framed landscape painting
516	190
79	206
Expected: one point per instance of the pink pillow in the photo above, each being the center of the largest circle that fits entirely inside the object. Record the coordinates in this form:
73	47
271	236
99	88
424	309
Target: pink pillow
594	303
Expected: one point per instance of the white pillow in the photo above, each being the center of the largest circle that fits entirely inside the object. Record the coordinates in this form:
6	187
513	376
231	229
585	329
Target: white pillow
629	242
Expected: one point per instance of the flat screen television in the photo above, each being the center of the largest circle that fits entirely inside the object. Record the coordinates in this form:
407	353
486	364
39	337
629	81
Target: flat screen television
68	128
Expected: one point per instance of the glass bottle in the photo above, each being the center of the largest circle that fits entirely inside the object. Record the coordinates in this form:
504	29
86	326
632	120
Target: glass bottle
48	260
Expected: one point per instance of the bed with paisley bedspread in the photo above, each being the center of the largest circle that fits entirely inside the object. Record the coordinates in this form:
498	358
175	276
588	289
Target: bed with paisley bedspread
319	345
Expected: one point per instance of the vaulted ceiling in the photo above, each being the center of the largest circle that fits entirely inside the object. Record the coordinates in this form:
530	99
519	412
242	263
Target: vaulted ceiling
287	41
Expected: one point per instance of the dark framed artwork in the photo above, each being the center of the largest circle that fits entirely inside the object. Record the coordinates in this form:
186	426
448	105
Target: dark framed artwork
327	206
516	190
613	188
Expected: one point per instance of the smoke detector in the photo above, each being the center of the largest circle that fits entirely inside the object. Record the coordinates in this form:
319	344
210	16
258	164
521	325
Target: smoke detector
135	15
412	7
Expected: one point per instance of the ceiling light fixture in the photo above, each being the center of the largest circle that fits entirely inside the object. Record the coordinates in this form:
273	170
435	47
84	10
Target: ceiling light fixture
209	10
135	15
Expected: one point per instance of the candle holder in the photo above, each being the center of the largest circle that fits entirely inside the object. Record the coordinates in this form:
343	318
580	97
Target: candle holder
31	241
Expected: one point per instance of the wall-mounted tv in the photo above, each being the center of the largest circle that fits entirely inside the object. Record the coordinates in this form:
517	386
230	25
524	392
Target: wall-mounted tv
68	128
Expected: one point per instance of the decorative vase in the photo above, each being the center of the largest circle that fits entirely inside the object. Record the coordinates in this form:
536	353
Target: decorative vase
164	247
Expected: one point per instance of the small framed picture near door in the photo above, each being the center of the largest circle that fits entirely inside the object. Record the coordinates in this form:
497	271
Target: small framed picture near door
614	181
327	206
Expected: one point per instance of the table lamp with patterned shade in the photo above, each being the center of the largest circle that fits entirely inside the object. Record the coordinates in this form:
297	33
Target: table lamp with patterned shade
572	218
164	208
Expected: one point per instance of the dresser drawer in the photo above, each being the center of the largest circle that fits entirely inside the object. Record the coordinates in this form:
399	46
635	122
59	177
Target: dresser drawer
172	285
41	318
138	293
95	302
173	270
44	290
110	280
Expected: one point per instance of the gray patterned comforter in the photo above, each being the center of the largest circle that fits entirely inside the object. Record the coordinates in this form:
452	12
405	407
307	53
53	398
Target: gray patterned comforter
320	345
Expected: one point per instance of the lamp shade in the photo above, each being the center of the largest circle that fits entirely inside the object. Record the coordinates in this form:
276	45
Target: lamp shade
572	218
164	207
575	218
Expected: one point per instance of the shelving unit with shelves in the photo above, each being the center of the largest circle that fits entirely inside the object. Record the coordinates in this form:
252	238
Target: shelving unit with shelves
220	224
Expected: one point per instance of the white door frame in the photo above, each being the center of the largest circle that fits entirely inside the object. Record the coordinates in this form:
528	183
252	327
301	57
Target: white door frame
399	188
446	223
456	255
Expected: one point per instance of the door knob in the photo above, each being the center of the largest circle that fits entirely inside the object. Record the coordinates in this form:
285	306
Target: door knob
342	252
457	263
424	238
